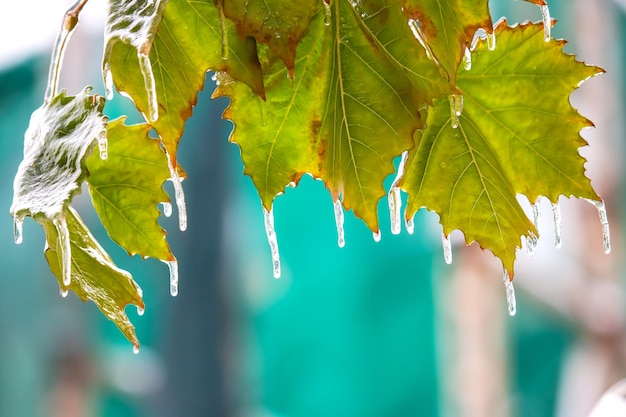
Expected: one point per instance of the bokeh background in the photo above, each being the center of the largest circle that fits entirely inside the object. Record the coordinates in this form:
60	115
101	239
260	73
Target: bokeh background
371	330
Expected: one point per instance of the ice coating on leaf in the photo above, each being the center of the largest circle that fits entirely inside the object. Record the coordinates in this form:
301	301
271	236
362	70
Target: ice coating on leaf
103	145
556	212
604	221
133	22
179	196
271	239
394	197
510	293
376	236
415	28
456	109
467	59
18	227
339	218
173	267
61	134
447	248
547	22
491	41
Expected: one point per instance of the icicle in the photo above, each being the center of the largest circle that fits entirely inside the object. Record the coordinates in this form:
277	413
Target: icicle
135	349
167	208
140	311
327	12
376	236
339	222
173	267
556	211
179	196
606	236
148	79
107	75
491	40
510	293
271	239
103	145
532	241
456	109
409	224
547	22
394	198
18	226
63	292
447	248
467	60
66	250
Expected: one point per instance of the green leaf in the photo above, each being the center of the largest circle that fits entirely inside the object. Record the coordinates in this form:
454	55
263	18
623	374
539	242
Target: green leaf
517	134
188	42
60	136
94	275
126	188
279	24
448	27
353	106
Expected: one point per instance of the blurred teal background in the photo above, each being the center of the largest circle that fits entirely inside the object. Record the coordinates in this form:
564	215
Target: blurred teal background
370	330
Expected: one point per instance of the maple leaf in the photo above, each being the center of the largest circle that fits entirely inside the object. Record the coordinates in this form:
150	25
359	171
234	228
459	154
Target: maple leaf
361	78
517	134
94	275
126	188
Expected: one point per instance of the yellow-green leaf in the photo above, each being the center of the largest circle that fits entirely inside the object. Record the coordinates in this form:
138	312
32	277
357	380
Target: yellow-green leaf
94	275
517	134
126	188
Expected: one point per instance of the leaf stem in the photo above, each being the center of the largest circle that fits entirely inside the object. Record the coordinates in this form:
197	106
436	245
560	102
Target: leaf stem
70	20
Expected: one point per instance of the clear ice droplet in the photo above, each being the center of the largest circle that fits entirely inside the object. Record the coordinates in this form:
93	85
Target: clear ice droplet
327	12
18	228
447	248
167	208
547	22
148	79
556	212
66	251
173	267
179	196
135	349
376	236
606	235
271	239
467	60
63	292
339	219
510	293
140	311
456	109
